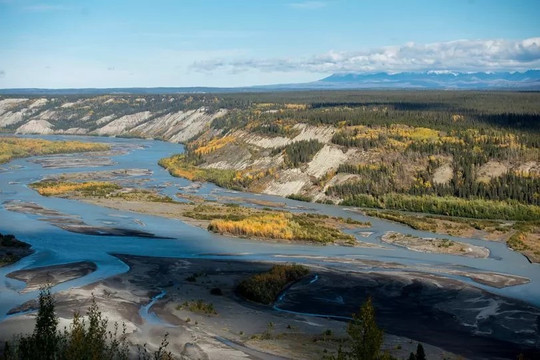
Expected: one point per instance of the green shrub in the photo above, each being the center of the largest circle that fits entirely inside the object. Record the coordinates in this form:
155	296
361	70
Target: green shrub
300	197
265	287
198	306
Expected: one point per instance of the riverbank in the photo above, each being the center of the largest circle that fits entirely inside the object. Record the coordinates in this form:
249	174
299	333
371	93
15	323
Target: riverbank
71	222
238	327
492	230
235	220
522	236
203	215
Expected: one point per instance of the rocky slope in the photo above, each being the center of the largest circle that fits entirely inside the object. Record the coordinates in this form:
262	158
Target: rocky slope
178	119
171	118
257	155
463	154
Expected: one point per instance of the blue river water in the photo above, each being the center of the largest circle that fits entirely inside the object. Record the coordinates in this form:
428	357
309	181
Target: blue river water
54	245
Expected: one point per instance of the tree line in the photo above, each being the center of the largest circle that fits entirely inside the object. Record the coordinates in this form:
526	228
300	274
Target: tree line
449	206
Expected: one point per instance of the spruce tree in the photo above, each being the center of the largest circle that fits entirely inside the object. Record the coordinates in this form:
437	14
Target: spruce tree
46	338
420	354
366	336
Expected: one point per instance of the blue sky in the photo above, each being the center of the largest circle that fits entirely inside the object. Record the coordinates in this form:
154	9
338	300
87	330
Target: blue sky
58	44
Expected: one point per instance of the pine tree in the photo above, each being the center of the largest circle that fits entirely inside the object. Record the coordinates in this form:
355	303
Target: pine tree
46	338
82	340
43	343
97	330
366	336
420	354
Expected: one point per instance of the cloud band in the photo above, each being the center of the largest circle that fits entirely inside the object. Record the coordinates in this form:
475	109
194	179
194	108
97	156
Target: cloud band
459	55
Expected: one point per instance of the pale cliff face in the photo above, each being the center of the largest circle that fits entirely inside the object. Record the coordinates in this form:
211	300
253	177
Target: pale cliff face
135	116
258	155
170	119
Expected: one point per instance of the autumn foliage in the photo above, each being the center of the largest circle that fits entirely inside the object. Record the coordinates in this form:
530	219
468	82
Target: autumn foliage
214	145
88	188
280	225
13	147
265	287
182	166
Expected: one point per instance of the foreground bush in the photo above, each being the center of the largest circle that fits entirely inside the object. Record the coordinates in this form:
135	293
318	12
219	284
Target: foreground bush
265	287
85	339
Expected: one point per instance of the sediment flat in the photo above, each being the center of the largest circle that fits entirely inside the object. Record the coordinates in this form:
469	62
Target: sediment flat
52	275
175	210
406	304
433	245
72	223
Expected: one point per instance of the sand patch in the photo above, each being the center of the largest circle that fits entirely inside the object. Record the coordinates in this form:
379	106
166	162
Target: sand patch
443	174
328	158
491	169
432	245
121	125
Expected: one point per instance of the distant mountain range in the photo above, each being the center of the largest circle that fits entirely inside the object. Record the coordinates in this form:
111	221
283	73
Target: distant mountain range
525	81
436	80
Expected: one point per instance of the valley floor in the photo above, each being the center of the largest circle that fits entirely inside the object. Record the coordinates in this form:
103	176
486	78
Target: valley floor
241	329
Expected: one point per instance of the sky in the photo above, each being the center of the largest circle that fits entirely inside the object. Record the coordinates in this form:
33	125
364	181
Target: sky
230	43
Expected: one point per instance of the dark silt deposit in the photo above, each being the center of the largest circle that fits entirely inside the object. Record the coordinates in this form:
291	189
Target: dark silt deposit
442	312
106	231
73	223
52	275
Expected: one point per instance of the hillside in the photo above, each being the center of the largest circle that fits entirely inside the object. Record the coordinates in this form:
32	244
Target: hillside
175	118
332	151
464	154
326	146
320	144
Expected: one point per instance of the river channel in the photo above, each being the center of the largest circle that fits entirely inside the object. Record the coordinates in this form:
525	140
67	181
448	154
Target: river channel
175	238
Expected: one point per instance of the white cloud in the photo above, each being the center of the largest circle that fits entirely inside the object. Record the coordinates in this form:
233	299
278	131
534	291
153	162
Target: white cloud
459	55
